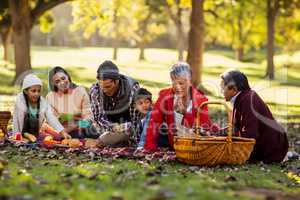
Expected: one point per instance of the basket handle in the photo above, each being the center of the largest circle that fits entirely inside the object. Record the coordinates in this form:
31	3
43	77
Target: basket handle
229	114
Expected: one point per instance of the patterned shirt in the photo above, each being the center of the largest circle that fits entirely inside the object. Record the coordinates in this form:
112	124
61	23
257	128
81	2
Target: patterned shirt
99	108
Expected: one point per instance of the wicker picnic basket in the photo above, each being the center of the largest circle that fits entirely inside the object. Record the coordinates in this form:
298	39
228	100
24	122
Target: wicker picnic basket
4	119
213	150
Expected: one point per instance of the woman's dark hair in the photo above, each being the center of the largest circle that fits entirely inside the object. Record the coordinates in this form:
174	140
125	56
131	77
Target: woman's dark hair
237	79
55	70
143	93
27	105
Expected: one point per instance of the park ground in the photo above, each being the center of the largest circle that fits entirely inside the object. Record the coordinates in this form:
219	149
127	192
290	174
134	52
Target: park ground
32	174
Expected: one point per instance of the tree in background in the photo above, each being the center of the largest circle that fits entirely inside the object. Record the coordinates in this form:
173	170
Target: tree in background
245	26
147	23
196	40
59	33
288	28
5	30
23	15
238	24
275	8
45	21
272	11
140	21
109	18
175	9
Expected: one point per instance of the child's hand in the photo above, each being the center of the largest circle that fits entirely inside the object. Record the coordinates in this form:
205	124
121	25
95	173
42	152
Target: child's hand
71	127
65	135
117	128
30	137
121	128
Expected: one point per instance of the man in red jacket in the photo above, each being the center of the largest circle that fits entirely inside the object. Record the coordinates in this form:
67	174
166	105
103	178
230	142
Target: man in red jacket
177	107
253	119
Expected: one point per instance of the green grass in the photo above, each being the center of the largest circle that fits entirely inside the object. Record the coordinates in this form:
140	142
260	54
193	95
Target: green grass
50	175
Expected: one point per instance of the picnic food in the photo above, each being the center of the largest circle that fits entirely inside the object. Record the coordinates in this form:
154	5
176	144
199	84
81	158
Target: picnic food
90	143
17	136
51	142
4	119
48	129
73	143
2	136
1	133
48	138
65	141
30	137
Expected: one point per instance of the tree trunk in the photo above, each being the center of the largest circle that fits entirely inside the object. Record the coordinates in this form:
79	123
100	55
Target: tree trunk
49	39
142	52
177	19
116	27
240	47
239	54
196	40
115	51
180	35
6	42
21	23
270	40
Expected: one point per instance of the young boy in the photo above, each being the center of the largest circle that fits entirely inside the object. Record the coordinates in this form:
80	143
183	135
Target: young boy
143	103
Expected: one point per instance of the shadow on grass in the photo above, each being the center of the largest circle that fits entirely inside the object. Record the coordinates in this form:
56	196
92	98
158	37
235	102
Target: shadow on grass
77	77
292	80
282	105
52	49
254	56
75	74
152	84
251	72
6	82
6	79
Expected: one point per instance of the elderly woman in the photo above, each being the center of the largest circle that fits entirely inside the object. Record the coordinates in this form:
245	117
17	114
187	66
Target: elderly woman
177	107
70	103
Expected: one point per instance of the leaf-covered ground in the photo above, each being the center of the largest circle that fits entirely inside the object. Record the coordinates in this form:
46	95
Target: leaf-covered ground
56	174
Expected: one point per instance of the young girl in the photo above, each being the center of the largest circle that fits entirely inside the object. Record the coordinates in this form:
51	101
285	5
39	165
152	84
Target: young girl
31	110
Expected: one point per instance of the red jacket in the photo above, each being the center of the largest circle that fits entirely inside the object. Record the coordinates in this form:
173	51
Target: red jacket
163	112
